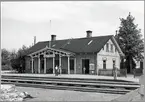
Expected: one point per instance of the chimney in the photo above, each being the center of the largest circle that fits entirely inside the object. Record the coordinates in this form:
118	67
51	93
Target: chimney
53	37
89	33
34	40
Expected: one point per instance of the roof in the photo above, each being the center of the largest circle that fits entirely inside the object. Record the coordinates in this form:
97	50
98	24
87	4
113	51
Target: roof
78	45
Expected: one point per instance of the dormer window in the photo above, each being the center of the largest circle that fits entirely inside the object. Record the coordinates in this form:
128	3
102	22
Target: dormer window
90	42
53	45
104	64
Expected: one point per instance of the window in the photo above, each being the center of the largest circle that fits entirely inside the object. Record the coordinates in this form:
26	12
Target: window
111	47
42	64
71	64
104	64
113	63
107	47
103	48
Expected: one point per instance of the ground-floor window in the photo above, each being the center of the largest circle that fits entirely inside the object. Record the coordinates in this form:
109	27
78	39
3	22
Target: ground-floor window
113	63
41	65
71	64
104	64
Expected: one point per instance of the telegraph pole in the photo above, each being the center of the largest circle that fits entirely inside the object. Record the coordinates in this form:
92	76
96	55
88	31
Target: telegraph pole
50	34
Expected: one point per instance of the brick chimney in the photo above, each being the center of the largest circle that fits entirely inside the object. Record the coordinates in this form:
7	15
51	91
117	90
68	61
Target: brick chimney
89	33
53	37
34	40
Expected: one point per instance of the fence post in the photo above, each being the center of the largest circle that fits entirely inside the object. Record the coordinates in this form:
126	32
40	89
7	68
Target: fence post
115	73
125	72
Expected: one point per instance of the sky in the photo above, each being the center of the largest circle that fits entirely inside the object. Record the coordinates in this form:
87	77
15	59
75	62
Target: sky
21	21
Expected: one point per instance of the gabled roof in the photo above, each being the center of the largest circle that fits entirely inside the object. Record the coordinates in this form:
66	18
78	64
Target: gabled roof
78	45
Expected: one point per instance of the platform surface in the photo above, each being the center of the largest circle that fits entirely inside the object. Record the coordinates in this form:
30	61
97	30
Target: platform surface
128	78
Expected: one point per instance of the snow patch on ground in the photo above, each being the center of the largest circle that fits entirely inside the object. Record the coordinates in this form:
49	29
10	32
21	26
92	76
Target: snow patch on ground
9	93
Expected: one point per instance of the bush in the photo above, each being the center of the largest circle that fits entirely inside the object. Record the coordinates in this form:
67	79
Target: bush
6	67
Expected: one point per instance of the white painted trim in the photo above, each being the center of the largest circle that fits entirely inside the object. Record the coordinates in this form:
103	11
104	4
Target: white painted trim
97	64
104	58
68	64
75	66
107	55
32	67
114	59
44	65
39	64
60	64
53	62
53	50
116	44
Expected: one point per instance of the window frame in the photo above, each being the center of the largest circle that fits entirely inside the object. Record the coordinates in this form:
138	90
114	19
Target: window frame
107	47
114	63
104	64
111	48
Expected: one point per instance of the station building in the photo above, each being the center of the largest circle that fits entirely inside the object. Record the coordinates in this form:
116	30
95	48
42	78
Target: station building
74	56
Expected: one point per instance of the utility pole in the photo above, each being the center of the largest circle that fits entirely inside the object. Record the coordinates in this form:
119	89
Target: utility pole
50	34
0	72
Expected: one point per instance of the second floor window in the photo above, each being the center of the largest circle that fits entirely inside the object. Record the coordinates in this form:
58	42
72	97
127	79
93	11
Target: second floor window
113	63
111	47
107	47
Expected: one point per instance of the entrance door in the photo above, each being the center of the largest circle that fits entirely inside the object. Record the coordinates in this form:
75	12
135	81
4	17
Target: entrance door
41	65
72	66
85	66
56	63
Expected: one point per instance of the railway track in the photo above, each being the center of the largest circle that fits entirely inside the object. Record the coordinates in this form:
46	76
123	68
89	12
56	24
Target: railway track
76	84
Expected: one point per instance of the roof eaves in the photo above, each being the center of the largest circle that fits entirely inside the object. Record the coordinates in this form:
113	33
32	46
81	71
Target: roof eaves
104	44
120	51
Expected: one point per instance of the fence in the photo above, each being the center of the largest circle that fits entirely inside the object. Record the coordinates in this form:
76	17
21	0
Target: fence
137	72
109	72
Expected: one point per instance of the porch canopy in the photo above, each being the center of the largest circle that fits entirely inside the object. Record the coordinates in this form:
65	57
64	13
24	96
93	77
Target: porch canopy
48	52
